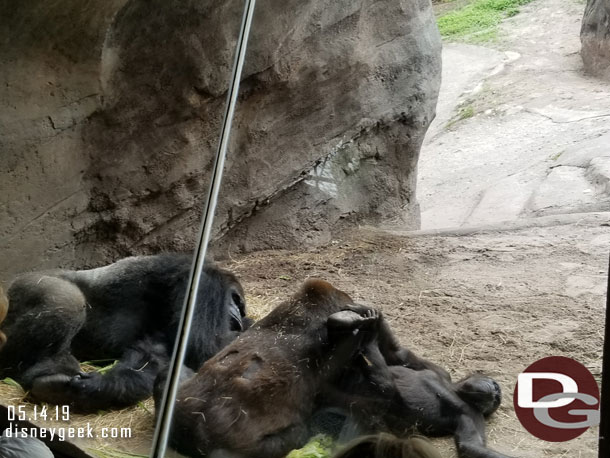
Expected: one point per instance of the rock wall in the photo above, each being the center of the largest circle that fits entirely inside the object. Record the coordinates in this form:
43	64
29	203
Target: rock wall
113	109
595	38
49	88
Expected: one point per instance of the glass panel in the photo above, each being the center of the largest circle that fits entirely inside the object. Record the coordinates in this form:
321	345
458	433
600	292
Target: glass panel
111	114
485	270
110	120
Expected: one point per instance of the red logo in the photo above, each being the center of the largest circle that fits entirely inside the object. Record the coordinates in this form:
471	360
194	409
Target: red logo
556	399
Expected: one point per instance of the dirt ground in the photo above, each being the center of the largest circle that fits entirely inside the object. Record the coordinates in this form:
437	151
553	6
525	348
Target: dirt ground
492	301
521	130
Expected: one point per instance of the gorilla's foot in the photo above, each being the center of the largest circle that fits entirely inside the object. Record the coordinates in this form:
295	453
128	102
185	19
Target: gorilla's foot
350	320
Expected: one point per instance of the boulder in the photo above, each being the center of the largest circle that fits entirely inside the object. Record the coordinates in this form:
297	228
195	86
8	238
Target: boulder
595	38
113	110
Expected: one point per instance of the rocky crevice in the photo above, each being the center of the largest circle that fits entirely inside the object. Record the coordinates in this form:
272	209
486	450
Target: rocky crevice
121	126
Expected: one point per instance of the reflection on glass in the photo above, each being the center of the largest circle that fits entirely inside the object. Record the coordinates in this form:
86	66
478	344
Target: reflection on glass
110	119
215	299
327	328
335	102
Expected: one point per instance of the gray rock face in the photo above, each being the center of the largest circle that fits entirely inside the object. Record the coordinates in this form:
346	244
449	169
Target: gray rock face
595	38
113	113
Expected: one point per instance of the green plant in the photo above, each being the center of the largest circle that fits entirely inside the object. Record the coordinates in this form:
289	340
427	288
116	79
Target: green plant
9	381
89	366
319	446
466	112
477	20
463	113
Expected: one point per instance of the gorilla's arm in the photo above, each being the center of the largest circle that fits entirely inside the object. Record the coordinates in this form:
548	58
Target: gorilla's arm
363	392
393	353
161	381
470	437
130	380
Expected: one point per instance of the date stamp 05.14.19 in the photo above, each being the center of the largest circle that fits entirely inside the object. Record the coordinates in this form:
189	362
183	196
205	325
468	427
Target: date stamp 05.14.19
36	418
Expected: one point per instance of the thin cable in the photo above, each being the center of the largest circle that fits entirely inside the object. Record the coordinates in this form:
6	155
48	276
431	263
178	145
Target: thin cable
166	409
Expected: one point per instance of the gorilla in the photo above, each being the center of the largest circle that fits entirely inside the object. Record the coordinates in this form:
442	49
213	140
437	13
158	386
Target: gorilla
257	396
319	351
379	397
128	311
17	447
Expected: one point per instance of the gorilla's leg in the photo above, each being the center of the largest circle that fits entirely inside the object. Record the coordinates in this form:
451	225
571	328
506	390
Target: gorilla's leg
131	380
363	392
395	355
45	313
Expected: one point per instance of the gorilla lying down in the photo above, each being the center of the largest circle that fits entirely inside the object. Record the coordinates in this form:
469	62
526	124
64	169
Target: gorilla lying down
320	352
128	311
407	398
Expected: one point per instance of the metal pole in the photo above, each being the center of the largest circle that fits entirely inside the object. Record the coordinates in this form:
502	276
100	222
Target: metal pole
166	409
604	426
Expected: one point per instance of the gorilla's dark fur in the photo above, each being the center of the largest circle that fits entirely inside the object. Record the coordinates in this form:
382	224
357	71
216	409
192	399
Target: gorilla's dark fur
402	400
129	311
256	398
259	397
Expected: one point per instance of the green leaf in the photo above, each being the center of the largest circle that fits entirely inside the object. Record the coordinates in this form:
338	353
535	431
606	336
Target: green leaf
9	381
320	446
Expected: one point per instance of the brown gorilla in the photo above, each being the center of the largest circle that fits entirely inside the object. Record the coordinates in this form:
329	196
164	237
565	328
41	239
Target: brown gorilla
256	397
317	352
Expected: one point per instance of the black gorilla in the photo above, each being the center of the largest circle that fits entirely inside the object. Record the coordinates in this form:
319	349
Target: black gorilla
257	396
129	311
382	396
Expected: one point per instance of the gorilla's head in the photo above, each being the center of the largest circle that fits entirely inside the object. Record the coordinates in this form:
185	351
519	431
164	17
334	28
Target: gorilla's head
481	392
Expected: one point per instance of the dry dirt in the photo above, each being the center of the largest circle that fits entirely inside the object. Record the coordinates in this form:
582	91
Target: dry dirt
520	129
491	301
